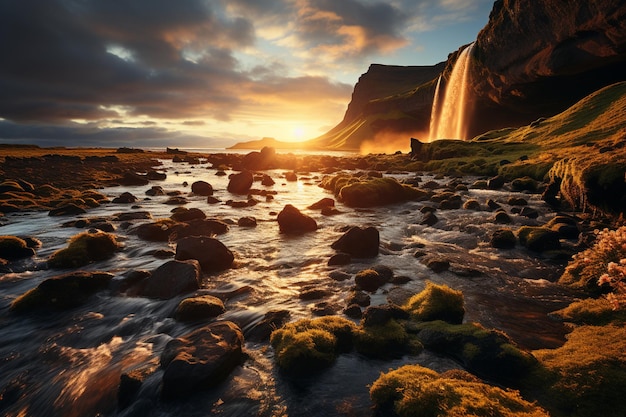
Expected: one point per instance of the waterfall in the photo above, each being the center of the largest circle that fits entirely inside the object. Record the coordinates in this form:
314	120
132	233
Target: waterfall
450	121
433	113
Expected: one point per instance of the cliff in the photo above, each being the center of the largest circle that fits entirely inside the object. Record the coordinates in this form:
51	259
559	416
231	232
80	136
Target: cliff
533	59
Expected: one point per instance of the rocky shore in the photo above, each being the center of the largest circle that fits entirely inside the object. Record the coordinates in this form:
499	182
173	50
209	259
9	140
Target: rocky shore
499	372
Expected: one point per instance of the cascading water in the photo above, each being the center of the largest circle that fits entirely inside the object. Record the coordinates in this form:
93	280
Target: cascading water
450	121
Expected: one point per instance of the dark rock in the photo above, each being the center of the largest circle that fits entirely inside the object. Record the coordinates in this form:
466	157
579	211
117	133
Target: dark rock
199	308
529	212
176	201
517	201
503	239
70	209
313	294
182	214
429	219
62	292
266	159
171	279
380	315
339	259
524	184
155	190
329	211
538	239
240	183
131	179
323	203
400	279
200	359
384	271
267	181
495	183
339	275
359	298
212	200
133	215
131	383
262	330
247	221
353	311
359	242
125	198
369	280
13	248
437	264
153	175
502	217
493	205
209	252
292	221
202	188
155	232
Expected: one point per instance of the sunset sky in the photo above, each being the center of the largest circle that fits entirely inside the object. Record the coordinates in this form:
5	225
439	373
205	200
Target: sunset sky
205	73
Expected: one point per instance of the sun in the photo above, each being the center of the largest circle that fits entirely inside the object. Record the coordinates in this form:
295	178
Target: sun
298	132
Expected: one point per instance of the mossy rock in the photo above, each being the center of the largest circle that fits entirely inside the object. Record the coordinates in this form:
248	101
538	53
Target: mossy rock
503	239
199	308
590	311
311	345
384	341
588	372
488	353
369	280
13	248
538	239
377	192
83	249
437	302
524	184
413	390
62	292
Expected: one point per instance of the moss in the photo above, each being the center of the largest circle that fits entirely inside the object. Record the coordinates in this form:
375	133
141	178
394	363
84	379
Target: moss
12	248
437	302
538	238
310	345
84	249
486	352
378	191
413	390
589	371
593	311
199	308
385	341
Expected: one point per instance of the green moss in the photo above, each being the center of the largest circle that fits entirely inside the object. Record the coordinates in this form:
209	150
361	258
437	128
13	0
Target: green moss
538	238
413	390
589	372
437	302
84	249
384	341
311	344
378	191
593	311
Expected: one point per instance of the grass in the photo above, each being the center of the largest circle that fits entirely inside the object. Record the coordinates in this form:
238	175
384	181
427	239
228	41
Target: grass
83	249
437	302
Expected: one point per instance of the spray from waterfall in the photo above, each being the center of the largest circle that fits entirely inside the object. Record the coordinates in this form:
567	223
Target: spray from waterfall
449	121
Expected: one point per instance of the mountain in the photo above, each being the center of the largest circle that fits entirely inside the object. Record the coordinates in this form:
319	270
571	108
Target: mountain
533	59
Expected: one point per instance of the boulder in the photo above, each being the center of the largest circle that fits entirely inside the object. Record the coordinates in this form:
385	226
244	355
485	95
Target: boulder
212	254
199	308
292	221
267	181
369	280
240	183
13	248
155	190
247	221
539	239
359	242
125	198
261	331
503	239
182	214
171	279
323	203
202	188
62	292
131	178
200	359
83	249
70	209
381	314
198	227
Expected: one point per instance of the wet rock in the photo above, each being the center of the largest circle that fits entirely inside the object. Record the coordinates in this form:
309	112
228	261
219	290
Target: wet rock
380	315
212	254
131	179
13	248
153	175
131	383
353	311
240	183
369	280
182	214
471	205
291	176
339	259
199	308
292	221
155	190
437	264
517	201
400	279
132	215
495	183
503	239
267	181
158	231
202	188
429	219
451	204
176	201
324	309
323	203
265	159
247	221
70	209
529	212
384	271
329	211
501	217
83	249
212	200
565	226
538	239
198	227
313	294
171	279
272	320
62	292
359	298
524	184
124	198
359	242
339	275
201	359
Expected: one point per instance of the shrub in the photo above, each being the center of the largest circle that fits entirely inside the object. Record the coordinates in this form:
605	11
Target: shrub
437	302
413	390
595	311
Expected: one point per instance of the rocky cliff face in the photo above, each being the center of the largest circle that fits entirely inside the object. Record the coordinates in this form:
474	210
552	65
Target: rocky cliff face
536	58
533	59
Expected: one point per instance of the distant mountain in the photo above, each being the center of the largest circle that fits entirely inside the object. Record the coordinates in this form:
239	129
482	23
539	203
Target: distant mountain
533	59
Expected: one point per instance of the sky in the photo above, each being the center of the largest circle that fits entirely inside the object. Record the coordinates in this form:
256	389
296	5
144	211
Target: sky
205	73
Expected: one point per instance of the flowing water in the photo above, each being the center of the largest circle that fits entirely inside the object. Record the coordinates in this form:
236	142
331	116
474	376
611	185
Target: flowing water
450	121
69	363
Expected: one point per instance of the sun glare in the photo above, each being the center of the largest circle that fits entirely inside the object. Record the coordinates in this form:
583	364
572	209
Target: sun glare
298	133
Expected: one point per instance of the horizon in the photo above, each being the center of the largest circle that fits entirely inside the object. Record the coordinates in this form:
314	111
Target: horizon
207	74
